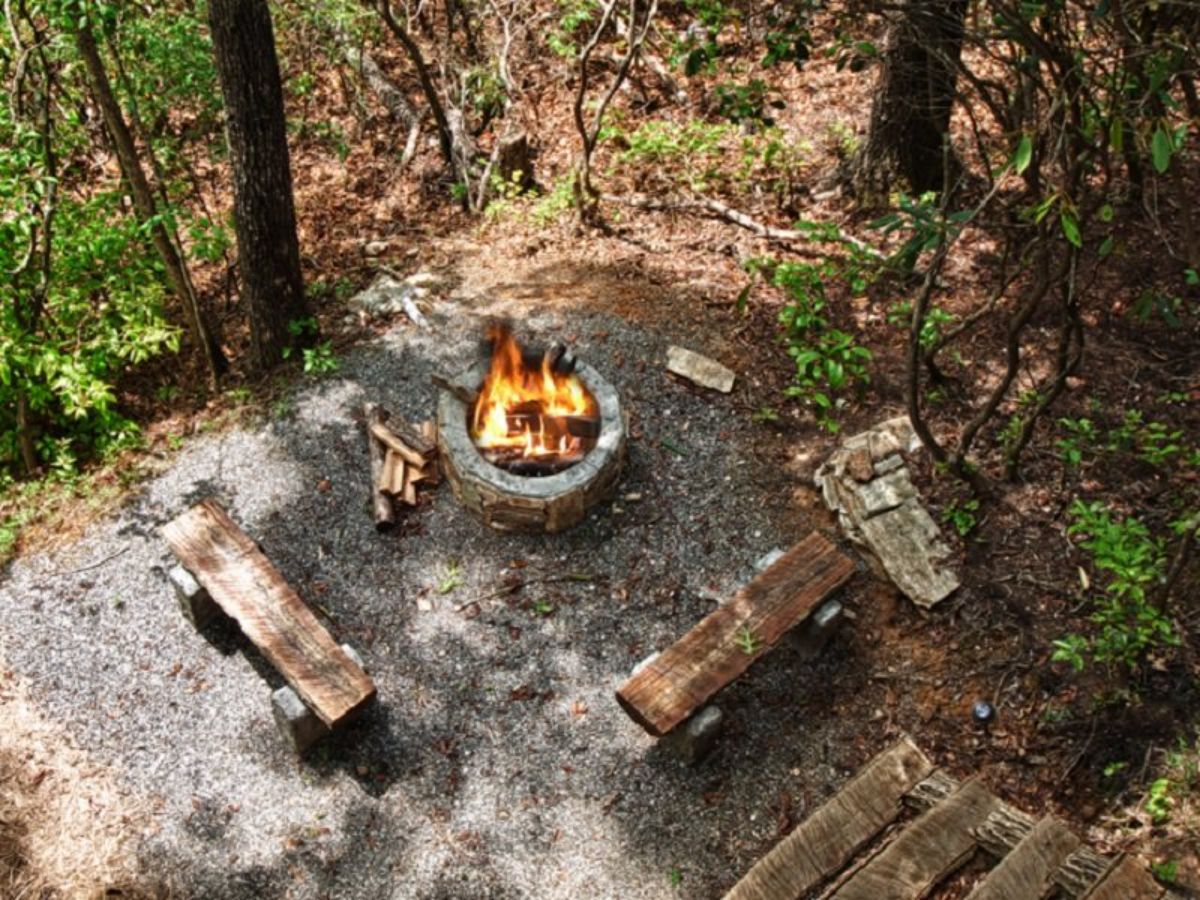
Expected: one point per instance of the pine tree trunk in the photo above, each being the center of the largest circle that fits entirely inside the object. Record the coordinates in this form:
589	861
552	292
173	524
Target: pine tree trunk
264	211
910	117
144	205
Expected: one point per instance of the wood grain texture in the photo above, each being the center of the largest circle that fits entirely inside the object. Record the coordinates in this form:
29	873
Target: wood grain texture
1027	873
830	837
1006	828
245	584
1126	880
686	675
928	850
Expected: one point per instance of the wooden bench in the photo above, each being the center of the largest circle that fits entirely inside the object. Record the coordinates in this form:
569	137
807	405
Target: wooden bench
669	689
327	685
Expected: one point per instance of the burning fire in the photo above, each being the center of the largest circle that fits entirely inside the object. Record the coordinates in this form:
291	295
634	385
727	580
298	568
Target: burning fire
531	412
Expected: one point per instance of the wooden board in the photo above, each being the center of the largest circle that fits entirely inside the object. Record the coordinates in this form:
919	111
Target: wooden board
827	839
928	850
1007	827
1027	873
1126	880
244	583
687	674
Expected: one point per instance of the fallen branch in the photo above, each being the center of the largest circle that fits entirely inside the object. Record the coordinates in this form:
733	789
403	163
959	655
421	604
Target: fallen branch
741	219
391	96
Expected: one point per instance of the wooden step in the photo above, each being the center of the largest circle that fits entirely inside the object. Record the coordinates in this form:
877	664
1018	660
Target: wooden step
1006	828
1126	880
691	671
242	581
830	837
1027	873
926	851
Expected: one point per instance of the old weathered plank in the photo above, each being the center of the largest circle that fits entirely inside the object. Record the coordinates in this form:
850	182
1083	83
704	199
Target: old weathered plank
245	584
828	838
1006	827
928	850
722	646
1126	880
1027	873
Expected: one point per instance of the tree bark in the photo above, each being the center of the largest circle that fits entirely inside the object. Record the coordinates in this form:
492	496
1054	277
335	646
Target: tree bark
264	211
910	116
144	205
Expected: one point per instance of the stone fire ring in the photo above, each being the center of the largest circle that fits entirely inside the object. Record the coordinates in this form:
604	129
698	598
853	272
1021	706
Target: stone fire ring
509	502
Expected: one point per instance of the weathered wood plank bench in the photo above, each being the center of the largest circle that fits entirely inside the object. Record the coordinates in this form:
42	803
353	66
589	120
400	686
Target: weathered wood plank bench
668	689
223	568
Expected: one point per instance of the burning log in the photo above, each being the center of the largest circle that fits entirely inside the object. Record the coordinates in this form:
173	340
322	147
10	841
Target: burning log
381	504
575	426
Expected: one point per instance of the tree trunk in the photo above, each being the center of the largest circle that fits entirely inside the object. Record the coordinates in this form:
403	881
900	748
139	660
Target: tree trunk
264	211
145	207
910	117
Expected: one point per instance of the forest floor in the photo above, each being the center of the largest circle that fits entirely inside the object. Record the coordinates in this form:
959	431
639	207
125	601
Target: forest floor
497	763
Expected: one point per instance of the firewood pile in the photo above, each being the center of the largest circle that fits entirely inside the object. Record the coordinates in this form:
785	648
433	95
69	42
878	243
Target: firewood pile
402	456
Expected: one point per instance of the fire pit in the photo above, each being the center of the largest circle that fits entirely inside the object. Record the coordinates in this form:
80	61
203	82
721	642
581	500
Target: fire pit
530	442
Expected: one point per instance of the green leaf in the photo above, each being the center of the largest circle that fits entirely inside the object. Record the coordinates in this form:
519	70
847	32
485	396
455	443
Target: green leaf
1106	213
1106	247
1070	226
1116	135
1161	149
1024	154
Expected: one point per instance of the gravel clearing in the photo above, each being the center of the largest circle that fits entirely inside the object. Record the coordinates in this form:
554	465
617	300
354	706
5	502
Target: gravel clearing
497	763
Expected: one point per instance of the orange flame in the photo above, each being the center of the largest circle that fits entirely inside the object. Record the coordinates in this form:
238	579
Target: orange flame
519	407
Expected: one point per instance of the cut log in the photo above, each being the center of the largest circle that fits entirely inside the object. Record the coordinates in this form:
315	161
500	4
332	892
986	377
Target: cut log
242	581
1027	873
399	476
688	674
400	438
381	504
831	836
408	485
925	852
387	478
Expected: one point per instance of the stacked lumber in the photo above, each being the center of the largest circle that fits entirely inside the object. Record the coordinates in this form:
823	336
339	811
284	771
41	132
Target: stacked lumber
402	456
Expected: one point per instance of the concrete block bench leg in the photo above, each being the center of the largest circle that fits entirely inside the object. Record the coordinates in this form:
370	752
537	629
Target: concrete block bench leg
694	739
298	724
195	603
811	637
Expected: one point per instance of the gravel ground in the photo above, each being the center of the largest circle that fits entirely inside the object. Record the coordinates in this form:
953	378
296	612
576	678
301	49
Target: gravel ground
497	763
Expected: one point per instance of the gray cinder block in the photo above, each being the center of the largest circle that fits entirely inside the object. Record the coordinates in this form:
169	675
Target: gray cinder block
812	636
298	724
692	741
195	603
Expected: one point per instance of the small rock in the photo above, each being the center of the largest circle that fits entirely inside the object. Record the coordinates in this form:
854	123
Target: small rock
375	248
424	280
699	369
889	464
